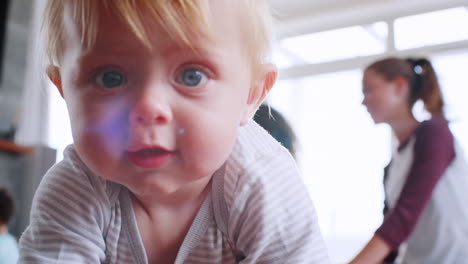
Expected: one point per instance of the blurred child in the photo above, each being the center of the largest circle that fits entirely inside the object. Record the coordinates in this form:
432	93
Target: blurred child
166	165
277	126
8	245
426	182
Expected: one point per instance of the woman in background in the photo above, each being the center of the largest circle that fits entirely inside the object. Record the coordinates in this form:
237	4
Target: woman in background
426	182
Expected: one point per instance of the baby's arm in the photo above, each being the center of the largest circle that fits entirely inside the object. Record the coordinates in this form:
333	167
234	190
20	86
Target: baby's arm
65	225
273	219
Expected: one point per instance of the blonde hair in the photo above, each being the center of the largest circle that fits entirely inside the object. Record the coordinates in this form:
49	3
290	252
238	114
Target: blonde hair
180	18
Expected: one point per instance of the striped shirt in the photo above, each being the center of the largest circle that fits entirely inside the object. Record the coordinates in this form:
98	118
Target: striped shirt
258	211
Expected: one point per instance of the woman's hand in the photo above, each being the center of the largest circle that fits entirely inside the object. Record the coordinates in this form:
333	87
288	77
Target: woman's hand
373	253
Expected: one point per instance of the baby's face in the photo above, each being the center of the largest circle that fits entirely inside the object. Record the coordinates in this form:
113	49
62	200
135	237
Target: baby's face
157	120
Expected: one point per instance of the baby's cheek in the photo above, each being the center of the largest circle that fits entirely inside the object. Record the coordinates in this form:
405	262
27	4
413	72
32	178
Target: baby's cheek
113	119
216	144
107	132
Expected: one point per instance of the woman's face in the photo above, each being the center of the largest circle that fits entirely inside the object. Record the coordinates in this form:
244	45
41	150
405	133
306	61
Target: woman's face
382	98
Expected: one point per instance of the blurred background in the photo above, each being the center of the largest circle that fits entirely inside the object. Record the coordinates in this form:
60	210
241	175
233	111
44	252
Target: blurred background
321	49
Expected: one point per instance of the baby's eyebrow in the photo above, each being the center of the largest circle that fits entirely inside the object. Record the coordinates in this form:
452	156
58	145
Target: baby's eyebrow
125	51
202	50
97	51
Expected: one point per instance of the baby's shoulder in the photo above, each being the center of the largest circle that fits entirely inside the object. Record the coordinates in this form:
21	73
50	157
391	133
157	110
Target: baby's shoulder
71	177
257	163
255	145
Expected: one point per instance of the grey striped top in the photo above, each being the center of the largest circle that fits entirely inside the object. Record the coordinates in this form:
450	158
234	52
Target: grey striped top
258	211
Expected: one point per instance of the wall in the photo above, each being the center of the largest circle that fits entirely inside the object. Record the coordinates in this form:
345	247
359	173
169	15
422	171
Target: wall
20	172
14	61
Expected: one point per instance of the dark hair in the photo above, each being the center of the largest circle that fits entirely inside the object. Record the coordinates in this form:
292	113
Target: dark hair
274	122
421	77
7	206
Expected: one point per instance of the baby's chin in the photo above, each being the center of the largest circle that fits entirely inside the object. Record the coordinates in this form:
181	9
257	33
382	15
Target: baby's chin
162	186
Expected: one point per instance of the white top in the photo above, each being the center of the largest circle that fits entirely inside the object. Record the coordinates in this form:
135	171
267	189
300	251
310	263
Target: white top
258	207
8	249
441	233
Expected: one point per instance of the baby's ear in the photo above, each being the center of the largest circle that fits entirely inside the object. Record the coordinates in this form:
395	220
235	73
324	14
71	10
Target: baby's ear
260	88
54	75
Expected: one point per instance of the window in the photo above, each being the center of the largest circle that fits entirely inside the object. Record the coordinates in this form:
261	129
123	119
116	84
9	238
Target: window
451	70
341	155
332	45
59	123
439	27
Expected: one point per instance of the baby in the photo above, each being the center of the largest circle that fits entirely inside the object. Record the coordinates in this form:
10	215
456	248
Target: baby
166	165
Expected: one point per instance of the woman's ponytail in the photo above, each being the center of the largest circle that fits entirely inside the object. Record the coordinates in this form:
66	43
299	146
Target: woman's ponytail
425	86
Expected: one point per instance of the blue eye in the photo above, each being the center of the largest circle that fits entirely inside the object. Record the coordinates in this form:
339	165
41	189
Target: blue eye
110	79
191	77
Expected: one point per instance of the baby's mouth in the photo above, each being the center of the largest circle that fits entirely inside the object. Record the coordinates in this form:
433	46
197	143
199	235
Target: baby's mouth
150	157
150	152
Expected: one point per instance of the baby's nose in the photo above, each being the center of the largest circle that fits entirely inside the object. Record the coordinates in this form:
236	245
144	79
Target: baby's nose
151	110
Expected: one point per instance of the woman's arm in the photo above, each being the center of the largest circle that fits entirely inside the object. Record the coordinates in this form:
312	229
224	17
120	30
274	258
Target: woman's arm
375	251
433	152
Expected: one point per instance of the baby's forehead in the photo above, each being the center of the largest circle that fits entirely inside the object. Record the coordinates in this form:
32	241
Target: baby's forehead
193	27
183	26
124	42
